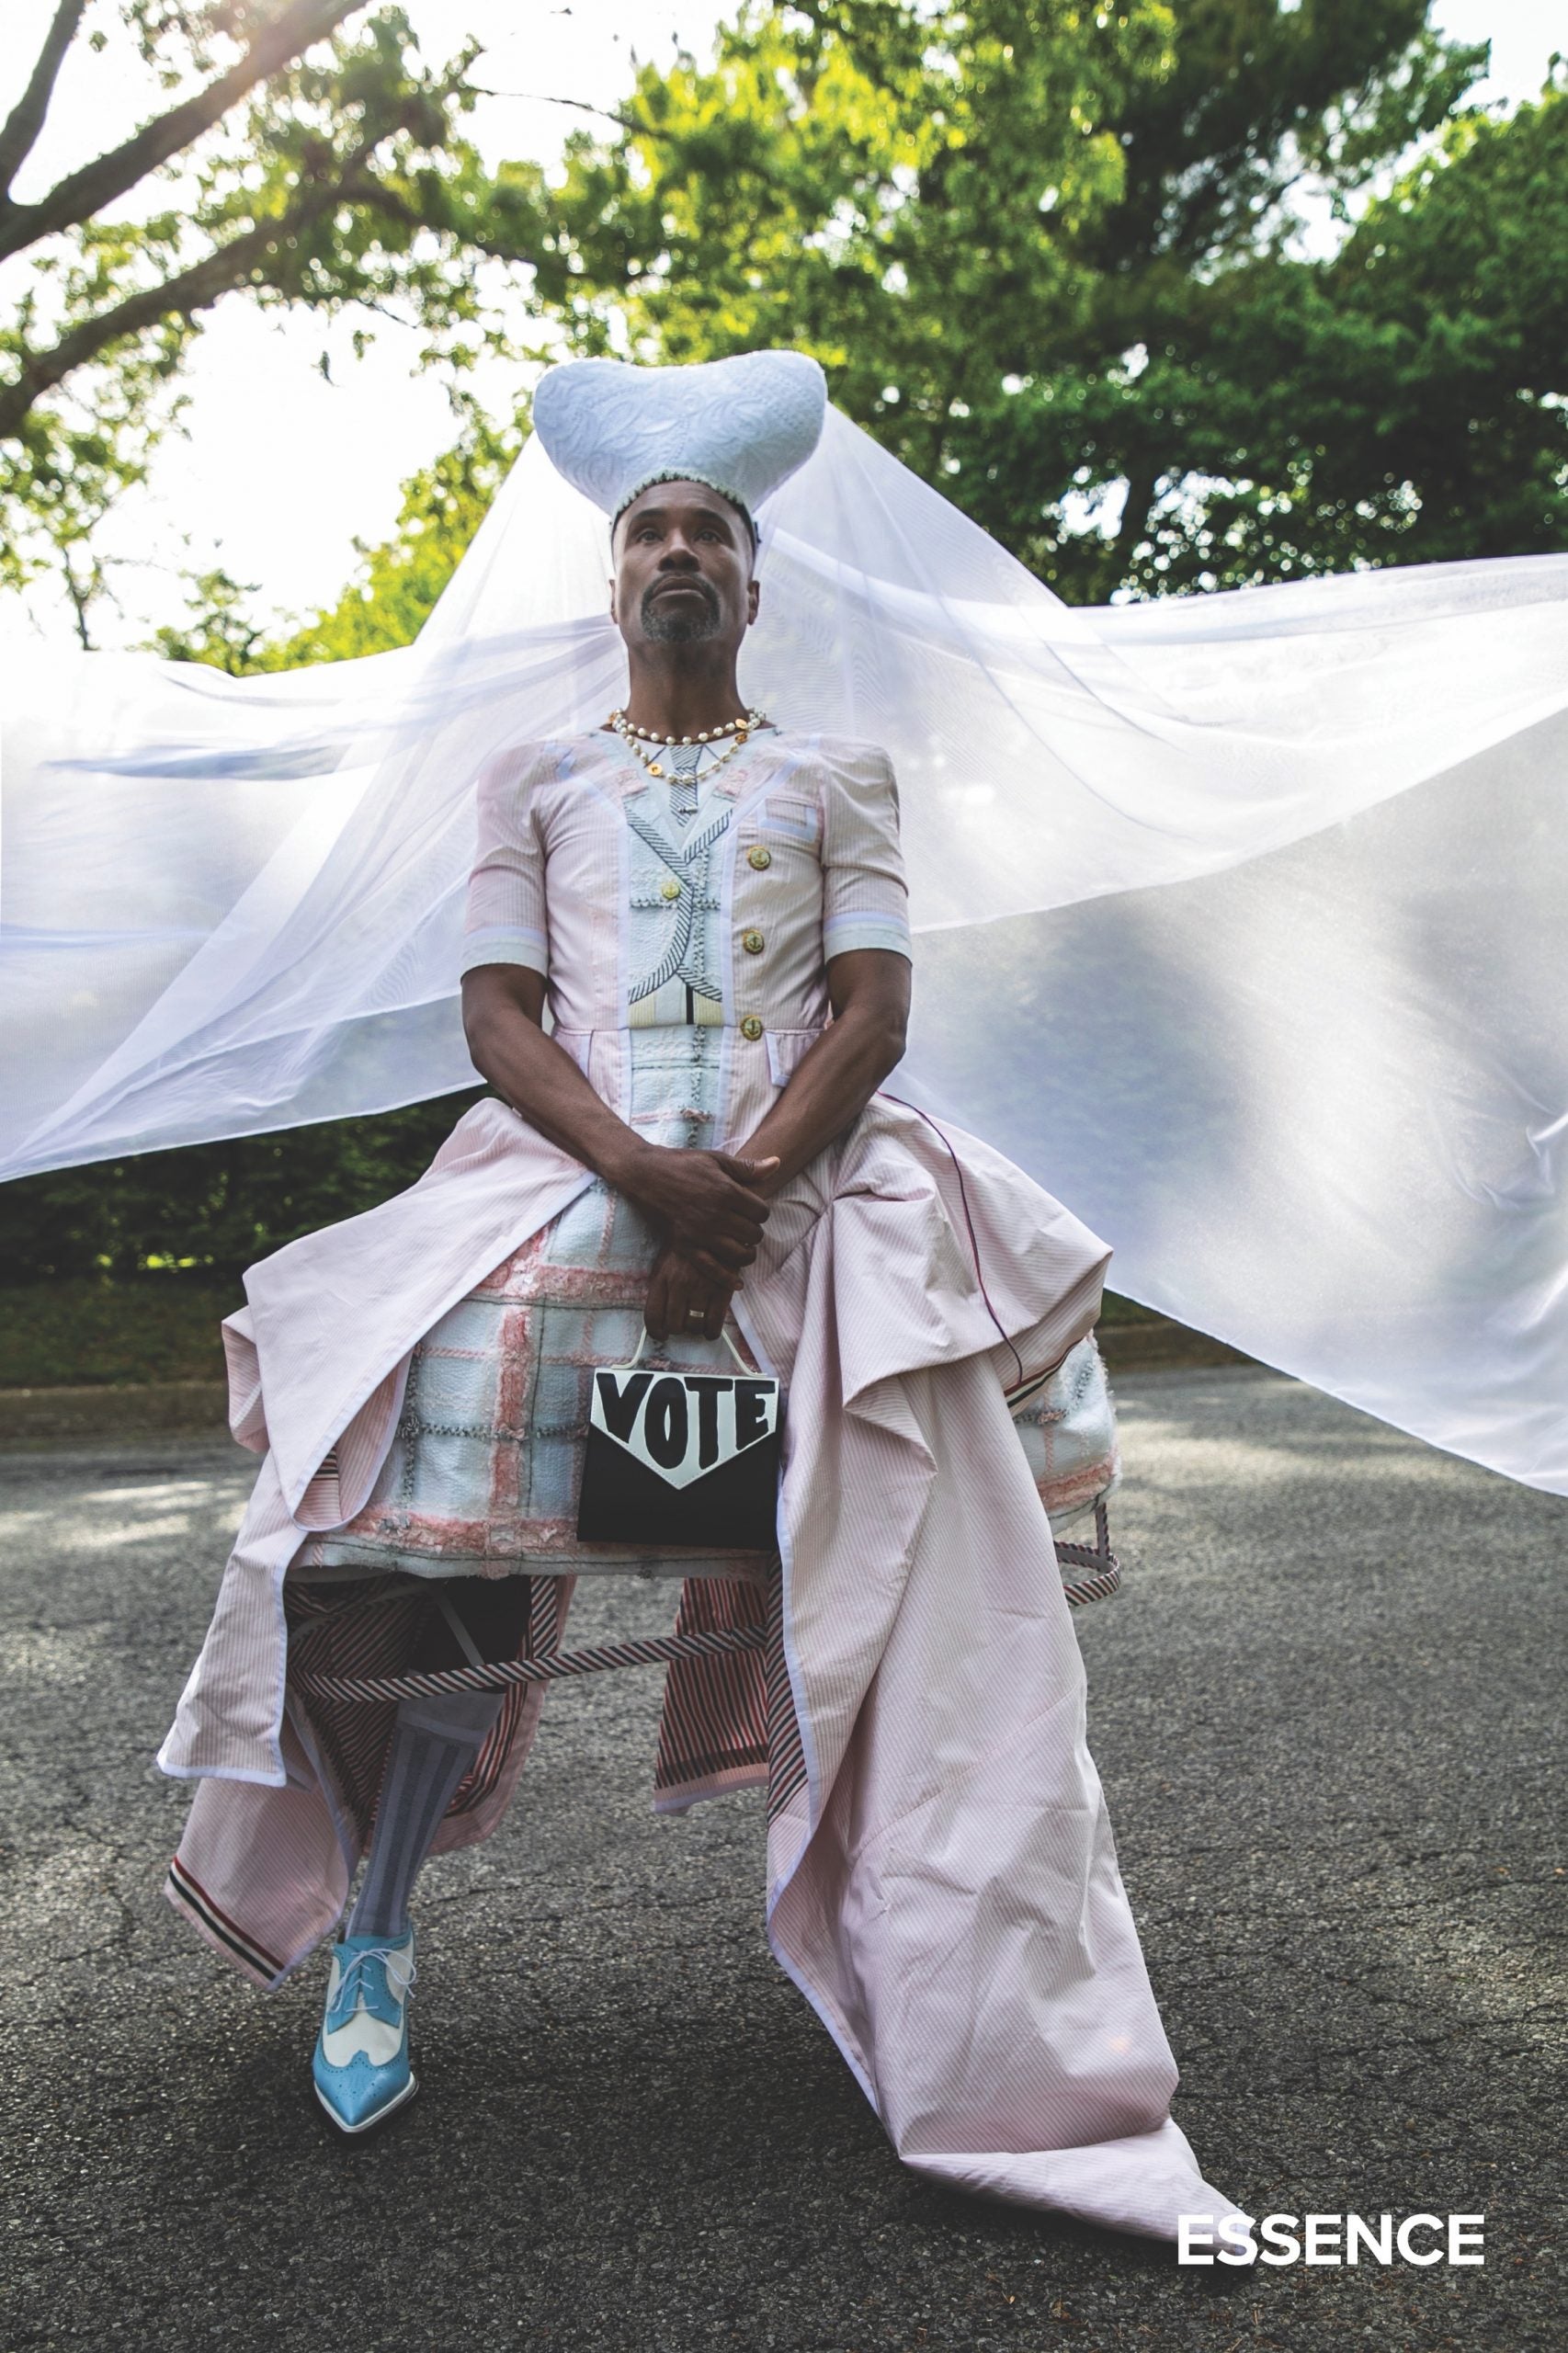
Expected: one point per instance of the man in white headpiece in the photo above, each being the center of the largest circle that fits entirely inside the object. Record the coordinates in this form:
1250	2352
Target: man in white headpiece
713	911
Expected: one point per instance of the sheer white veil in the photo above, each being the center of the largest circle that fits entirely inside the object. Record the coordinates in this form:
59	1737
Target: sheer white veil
1242	917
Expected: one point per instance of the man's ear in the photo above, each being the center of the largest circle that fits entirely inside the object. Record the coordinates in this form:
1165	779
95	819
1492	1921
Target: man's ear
613	614
754	598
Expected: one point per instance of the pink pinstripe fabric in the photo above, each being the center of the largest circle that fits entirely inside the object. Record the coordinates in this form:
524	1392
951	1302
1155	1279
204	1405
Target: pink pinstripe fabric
482	1475
942	1881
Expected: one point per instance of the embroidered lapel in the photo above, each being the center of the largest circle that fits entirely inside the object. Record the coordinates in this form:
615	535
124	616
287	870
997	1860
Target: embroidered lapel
680	856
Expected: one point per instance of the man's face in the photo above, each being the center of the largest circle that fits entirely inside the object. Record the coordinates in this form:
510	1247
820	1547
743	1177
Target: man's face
683	569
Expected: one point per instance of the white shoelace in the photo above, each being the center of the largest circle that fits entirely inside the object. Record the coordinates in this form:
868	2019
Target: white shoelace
400	1969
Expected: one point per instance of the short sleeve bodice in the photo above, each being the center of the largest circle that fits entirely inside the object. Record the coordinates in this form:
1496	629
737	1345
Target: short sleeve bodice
505	921
865	899
581	874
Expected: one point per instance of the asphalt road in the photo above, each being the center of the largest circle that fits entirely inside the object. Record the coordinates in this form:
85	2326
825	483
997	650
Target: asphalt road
1328	1710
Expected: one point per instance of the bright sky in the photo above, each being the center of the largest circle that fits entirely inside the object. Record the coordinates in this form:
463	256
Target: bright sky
281	469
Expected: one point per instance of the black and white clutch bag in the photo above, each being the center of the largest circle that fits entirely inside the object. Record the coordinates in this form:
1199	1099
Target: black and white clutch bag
682	1458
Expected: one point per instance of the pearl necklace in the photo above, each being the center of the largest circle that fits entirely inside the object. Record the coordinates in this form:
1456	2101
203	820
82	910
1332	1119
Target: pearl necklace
635	738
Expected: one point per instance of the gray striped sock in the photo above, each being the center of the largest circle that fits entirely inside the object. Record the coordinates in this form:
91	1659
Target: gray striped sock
427	1759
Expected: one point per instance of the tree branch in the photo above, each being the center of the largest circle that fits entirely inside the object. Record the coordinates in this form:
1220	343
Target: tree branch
579	106
376	198
192	289
82	193
26	116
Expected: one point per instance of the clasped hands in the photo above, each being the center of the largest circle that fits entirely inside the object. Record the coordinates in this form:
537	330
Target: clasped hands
710	1207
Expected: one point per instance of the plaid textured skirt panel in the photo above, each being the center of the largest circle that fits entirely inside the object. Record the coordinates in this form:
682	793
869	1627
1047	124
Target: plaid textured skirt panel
482	1475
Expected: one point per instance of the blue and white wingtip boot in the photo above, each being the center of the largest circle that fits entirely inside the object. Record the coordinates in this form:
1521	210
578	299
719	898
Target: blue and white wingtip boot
361	2067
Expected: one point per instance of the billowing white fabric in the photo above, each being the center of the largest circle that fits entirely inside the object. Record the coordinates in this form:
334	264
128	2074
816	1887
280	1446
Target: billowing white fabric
1244	915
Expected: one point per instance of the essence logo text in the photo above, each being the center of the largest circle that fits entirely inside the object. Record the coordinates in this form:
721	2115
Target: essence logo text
1420	2239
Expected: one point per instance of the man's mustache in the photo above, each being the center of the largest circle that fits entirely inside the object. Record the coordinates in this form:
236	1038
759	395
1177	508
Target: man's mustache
680	580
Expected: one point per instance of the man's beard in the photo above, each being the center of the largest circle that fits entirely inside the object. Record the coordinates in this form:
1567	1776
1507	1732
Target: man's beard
682	627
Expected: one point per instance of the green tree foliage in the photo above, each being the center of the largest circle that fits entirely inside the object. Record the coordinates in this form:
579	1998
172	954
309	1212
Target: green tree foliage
210	1209
1406	401
303	151
1053	257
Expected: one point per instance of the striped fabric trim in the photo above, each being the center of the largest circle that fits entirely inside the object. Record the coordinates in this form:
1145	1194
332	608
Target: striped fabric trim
728	1715
679	1797
501	1674
714	1721
499	945
544	1616
485	1772
365	1627
1100	1588
842	934
1104	1569
189	1896
786	1749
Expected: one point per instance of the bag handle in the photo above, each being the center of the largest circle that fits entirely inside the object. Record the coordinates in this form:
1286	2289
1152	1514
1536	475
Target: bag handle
645	1335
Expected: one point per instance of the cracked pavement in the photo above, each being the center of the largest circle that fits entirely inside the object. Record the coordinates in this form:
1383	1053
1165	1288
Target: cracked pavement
1328	1710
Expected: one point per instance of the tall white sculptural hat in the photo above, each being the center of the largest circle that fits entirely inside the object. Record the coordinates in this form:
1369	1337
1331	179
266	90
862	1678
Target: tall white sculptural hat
742	425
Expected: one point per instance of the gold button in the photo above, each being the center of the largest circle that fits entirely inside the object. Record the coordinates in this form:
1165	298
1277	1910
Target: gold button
759	858
752	1027
669	887
752	942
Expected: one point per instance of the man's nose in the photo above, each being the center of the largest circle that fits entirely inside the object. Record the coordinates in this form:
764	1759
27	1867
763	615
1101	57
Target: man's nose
678	552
